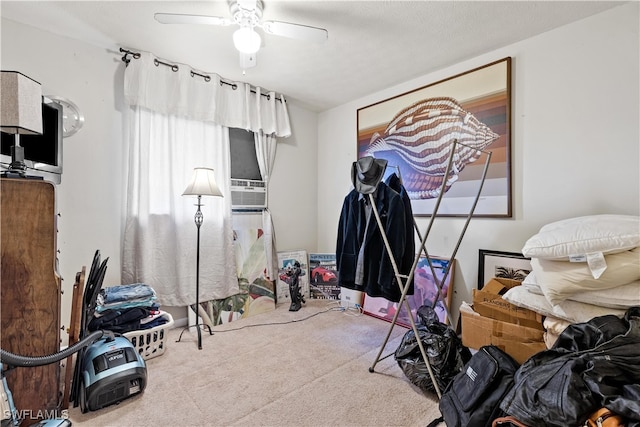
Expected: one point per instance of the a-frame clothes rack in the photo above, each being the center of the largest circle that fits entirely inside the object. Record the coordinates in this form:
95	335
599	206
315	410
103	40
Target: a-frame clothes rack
404	280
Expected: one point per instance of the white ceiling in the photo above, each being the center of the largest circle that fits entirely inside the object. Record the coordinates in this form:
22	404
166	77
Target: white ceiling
372	44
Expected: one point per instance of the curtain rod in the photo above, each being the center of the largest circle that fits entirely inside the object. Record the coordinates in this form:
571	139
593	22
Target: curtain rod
175	68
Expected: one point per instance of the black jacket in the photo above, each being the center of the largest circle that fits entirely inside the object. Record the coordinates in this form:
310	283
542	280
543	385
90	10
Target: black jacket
379	277
405	264
591	365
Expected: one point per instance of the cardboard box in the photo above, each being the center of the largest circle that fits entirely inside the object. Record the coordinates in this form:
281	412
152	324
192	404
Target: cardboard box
520	342
489	303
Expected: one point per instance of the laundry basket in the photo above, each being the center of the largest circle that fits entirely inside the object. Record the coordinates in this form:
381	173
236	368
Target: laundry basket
151	342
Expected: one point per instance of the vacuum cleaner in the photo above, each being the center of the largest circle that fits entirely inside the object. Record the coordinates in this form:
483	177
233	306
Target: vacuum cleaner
112	371
108	368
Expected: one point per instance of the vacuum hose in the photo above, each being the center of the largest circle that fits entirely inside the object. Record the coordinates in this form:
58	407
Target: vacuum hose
29	361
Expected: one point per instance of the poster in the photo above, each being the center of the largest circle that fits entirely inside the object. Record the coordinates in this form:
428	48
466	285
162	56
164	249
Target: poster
323	277
425	292
286	264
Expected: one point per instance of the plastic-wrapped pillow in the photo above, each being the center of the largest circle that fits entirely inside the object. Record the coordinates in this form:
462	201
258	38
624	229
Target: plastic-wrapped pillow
622	297
605	234
571	311
561	280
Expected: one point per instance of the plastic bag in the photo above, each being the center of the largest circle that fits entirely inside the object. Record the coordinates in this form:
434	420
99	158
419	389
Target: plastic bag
447	356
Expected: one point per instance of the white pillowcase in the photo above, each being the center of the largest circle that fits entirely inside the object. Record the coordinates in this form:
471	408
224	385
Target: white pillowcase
621	297
606	234
561	280
571	311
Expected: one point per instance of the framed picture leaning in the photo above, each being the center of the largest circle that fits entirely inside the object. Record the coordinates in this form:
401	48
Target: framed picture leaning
425	292
507	265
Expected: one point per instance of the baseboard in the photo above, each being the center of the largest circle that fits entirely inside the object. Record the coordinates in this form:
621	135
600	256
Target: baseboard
180	323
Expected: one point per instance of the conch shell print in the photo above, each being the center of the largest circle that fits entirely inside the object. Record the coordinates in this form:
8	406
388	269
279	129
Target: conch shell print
422	136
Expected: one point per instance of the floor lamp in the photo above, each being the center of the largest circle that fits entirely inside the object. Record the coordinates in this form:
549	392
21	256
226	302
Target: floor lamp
203	183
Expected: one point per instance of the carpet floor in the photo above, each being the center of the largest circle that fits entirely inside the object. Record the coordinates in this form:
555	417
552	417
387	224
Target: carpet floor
280	368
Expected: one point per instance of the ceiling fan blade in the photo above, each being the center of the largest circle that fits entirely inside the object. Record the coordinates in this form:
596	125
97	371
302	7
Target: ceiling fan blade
176	18
295	31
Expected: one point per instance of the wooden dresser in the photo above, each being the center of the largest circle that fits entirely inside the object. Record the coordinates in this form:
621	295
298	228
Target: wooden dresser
30	297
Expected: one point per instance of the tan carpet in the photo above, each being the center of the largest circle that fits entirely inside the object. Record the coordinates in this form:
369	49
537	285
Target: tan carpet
313	372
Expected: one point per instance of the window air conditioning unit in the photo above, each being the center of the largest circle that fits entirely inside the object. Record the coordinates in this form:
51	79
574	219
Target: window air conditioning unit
248	194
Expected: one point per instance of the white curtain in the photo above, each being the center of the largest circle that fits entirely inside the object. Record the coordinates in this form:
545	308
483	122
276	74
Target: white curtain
179	120
177	89
160	232
266	154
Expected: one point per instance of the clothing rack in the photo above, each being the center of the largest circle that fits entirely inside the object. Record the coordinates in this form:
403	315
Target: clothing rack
404	280
424	249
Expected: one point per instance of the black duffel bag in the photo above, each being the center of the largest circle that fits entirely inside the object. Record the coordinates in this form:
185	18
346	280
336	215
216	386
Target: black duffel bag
444	349
473	398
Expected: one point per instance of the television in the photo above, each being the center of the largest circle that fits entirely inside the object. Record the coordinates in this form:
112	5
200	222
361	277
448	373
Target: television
42	153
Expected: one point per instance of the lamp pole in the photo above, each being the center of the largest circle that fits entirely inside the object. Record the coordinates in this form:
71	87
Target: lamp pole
198	220
203	183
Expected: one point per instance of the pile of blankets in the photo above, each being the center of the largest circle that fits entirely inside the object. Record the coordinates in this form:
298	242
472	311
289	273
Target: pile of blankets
126	308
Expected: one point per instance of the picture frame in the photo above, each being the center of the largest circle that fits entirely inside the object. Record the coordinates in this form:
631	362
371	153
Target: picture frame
286	261
414	132
424	294
508	265
323	277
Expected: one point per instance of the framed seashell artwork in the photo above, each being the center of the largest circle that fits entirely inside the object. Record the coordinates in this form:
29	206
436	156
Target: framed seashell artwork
415	132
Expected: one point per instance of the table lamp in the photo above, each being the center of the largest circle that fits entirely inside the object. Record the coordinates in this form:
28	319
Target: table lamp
21	108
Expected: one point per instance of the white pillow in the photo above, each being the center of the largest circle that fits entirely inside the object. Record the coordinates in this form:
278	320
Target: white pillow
561	280
606	234
571	311
622	297
530	279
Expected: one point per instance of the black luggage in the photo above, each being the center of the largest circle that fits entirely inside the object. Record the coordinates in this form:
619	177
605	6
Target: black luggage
473	398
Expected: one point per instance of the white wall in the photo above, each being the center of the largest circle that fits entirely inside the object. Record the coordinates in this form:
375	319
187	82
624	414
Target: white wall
293	188
575	139
89	199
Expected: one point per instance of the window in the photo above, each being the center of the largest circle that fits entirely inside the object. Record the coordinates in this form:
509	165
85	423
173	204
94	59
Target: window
244	163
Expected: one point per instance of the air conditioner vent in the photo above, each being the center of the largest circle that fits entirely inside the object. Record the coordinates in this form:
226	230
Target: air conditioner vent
248	194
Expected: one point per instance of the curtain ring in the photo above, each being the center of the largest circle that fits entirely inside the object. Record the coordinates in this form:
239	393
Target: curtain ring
173	67
125	59
204	76
234	86
268	97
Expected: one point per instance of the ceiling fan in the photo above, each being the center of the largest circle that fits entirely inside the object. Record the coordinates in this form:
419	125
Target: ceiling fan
247	14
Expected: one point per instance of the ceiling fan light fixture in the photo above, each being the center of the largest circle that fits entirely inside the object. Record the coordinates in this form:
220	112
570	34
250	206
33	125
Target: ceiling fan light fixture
246	40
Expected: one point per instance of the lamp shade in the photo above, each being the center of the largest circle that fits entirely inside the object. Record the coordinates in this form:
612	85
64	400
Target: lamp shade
21	104
246	40
203	183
